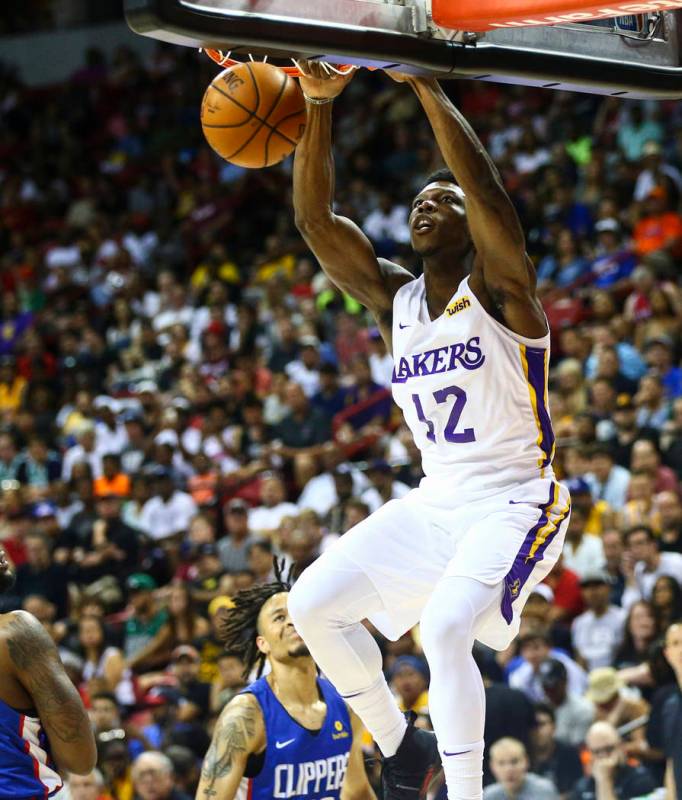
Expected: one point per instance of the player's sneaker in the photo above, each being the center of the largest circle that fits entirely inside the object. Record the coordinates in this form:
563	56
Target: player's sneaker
407	774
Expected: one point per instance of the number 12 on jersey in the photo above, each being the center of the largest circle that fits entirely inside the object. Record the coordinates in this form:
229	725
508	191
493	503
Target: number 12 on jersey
449	432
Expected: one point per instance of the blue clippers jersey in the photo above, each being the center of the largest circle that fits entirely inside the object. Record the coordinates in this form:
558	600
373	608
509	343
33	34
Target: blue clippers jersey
27	771
299	763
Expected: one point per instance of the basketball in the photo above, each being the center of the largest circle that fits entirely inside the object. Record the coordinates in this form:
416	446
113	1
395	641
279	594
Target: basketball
253	114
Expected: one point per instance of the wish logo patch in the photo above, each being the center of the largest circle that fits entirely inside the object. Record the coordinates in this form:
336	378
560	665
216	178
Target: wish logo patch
457	305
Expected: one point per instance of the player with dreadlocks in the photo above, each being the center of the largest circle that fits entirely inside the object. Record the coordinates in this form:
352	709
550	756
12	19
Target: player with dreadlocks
289	734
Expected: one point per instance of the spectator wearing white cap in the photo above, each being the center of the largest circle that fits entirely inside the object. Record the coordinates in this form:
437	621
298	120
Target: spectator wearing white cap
85	450
598	632
110	433
540	612
614	262
618	705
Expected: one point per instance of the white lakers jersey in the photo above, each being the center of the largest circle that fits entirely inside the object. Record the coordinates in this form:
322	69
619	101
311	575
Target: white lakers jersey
473	393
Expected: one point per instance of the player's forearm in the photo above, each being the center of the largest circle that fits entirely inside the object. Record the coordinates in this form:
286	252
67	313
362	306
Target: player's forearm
605	789
670	779
314	168
459	145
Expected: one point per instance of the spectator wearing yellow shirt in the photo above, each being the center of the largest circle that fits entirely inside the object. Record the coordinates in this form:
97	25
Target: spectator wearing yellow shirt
599	515
12	387
217	266
640	509
409	683
276	260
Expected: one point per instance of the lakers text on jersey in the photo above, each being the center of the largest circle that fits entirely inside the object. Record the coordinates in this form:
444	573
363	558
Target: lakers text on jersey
473	393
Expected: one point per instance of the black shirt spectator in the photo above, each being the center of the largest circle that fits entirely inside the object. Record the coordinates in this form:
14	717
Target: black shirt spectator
109	547
629	783
513	715
304	426
40	575
331	398
617	778
552	759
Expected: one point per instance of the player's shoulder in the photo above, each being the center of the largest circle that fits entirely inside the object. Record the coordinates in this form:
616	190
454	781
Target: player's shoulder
20	625
244	702
244	713
394	275
22	637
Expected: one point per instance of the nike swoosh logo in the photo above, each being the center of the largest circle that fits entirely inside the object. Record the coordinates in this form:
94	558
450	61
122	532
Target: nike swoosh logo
280	745
463	752
401	326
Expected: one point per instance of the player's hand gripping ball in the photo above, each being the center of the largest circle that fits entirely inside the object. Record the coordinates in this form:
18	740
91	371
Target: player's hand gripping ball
253	114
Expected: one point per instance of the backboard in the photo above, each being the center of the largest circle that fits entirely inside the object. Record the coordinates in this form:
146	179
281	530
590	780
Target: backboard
634	56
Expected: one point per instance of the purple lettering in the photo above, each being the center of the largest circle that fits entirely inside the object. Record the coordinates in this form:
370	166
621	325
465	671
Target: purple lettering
419	363
474	357
438	360
402	372
456	351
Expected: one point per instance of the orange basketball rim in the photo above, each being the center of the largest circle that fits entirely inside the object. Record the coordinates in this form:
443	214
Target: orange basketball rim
484	15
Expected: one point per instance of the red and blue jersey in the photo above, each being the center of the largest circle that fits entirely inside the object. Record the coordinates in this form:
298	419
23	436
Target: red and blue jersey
297	762
27	771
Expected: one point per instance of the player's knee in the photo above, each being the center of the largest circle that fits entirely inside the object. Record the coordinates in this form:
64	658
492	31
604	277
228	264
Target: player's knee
440	625
313	602
310	604
301	607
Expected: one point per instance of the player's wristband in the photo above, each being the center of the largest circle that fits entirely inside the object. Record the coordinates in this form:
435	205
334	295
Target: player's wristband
318	101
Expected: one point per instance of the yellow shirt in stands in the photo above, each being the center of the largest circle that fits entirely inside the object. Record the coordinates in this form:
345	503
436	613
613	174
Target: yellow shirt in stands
600	518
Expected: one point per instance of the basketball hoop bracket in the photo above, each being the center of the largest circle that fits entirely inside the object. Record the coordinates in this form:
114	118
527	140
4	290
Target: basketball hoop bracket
427	37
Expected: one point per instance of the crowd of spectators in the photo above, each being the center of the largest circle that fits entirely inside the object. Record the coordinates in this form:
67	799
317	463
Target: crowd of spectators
29	16
183	395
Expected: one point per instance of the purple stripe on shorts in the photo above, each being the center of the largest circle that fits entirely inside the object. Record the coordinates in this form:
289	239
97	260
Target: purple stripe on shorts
523	565
535	356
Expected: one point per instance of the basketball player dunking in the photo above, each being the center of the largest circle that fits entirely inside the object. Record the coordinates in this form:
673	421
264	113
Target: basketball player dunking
288	734
44	728
470	342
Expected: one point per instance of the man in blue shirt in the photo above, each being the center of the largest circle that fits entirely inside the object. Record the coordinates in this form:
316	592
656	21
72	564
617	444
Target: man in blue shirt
289	733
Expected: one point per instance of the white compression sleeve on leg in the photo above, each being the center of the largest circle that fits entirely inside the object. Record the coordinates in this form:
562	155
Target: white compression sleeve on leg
327	605
456	693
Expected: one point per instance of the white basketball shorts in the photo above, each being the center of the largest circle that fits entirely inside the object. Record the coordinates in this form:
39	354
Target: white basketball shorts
513	539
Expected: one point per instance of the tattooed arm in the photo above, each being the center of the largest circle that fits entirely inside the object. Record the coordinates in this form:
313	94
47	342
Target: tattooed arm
239	732
38	668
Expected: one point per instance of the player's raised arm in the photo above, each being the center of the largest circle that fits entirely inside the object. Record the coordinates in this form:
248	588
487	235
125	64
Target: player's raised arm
508	275
38	668
344	252
238	733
